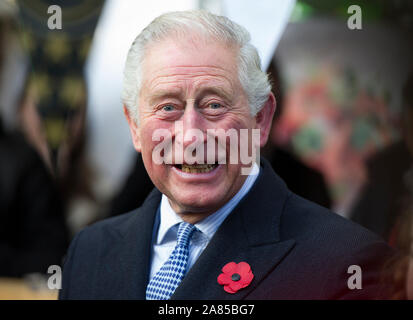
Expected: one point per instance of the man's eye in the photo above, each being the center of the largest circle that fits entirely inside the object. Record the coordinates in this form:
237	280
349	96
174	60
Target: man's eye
168	107
215	105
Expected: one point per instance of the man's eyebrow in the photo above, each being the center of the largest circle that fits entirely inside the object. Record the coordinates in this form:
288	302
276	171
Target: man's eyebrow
202	92
219	91
165	93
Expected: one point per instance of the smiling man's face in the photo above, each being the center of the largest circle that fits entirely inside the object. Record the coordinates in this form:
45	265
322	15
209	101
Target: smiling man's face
196	83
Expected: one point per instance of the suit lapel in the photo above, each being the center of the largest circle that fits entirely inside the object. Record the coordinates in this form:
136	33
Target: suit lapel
250	234
200	283
135	251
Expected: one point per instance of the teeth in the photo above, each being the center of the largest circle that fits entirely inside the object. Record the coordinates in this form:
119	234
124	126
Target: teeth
198	168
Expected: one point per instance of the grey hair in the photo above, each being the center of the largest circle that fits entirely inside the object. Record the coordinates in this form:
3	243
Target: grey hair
253	80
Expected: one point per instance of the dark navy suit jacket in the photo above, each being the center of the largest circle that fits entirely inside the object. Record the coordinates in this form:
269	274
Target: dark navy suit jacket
296	250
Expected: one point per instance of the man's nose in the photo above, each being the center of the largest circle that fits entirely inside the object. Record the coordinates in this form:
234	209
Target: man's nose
192	125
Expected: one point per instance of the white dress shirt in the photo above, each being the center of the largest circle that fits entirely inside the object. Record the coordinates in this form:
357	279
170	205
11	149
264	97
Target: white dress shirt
167	227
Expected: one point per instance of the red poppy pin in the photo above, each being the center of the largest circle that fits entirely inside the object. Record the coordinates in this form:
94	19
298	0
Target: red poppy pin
235	276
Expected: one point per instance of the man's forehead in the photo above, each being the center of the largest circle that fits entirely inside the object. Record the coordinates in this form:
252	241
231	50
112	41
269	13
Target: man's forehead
190	56
170	64
198	73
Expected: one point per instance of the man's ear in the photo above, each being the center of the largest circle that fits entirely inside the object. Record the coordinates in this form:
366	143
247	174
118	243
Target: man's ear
134	130
264	119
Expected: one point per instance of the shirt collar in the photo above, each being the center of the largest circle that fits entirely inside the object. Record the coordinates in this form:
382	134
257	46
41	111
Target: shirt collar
169	219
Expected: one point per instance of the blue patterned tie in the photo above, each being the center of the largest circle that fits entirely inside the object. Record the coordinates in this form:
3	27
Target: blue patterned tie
167	279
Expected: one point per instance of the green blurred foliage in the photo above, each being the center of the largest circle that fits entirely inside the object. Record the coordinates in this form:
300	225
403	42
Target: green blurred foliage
372	10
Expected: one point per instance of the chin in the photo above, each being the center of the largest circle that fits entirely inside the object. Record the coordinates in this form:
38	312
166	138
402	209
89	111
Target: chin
204	201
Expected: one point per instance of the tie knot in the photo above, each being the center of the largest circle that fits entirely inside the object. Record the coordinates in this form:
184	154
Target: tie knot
185	232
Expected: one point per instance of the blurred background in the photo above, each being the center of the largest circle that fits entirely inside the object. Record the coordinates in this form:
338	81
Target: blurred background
342	135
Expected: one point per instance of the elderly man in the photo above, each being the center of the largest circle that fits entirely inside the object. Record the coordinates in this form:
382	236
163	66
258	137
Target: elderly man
216	226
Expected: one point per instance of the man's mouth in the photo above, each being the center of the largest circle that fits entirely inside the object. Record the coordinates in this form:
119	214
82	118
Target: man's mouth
196	168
